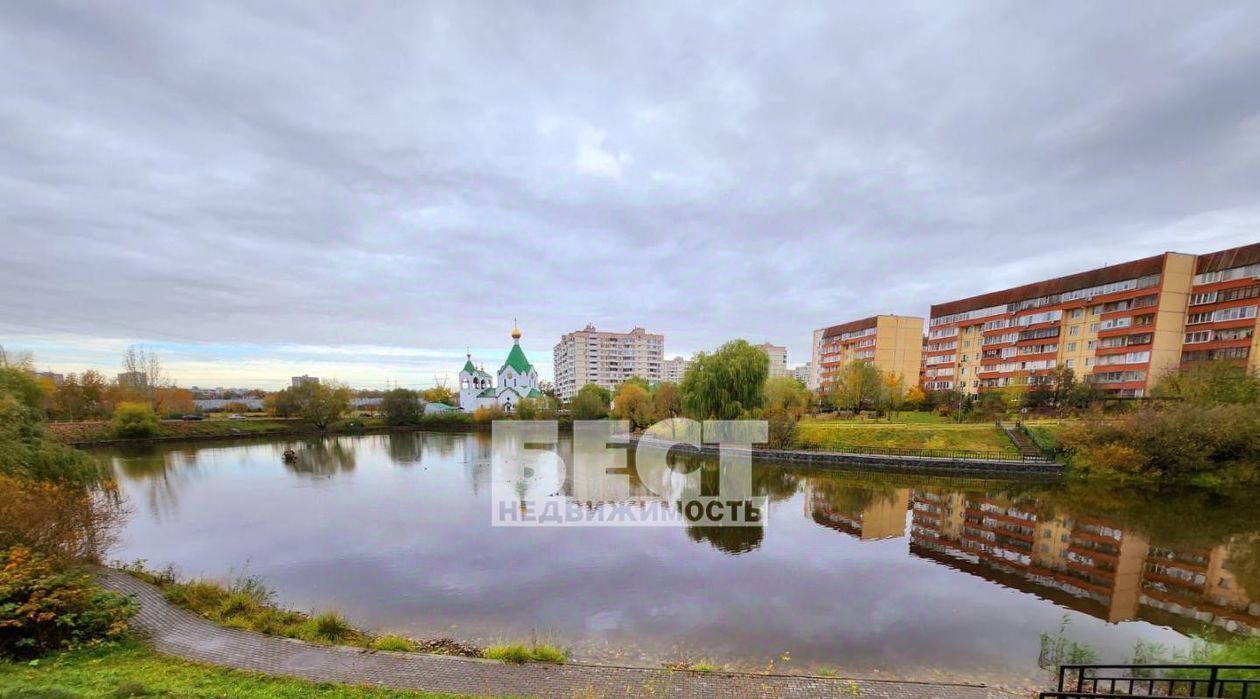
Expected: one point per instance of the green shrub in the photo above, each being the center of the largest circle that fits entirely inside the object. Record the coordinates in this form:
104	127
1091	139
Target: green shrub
447	419
1180	441
1235	651
590	403
45	608
394	643
26	453
23	386
487	414
401	407
135	421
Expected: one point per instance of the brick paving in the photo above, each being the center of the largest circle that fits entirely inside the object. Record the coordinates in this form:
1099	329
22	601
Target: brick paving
178	632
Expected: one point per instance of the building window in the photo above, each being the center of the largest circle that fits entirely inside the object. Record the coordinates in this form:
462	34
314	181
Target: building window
1074	330
1077	313
1093	327
1070	363
1071	347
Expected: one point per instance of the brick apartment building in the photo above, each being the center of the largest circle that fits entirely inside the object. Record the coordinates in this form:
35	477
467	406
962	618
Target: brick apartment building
1122	326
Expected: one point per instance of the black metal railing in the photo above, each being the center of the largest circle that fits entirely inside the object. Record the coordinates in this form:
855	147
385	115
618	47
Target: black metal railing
953	454
1051	451
1145	681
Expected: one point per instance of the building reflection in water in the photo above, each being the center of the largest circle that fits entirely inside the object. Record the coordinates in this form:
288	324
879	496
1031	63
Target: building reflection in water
1086	563
864	513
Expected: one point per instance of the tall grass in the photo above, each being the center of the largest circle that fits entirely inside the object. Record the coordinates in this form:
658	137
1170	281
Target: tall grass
393	642
525	653
248	603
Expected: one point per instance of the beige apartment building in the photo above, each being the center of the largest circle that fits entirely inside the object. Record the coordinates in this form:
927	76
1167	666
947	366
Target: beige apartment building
805	374
778	359
606	359
673	370
892	343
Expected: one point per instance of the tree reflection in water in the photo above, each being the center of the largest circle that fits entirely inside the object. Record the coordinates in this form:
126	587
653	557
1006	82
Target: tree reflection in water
324	457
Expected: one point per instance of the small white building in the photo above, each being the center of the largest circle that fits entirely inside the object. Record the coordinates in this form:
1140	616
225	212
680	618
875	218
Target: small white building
517	379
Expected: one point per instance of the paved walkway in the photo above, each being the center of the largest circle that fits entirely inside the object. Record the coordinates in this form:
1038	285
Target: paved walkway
178	632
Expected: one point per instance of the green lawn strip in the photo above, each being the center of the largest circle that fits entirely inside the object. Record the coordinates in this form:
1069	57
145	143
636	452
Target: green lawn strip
130	669
839	434
1046	436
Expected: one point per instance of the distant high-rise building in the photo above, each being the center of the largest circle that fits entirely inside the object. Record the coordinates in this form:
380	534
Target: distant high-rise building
304	380
52	376
673	370
133	379
804	374
778	359
892	343
606	359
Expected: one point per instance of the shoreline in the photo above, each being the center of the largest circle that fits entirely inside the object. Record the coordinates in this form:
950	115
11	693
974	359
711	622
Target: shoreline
959	464
93	442
176	631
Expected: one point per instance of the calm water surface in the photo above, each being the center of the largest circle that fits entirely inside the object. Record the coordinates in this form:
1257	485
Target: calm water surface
865	573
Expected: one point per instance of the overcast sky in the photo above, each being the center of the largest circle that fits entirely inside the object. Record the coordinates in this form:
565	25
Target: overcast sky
364	189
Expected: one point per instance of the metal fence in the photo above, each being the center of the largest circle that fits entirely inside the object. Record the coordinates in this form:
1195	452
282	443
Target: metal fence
1145	681
944	454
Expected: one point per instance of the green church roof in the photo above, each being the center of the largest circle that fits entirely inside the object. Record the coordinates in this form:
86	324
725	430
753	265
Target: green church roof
488	393
516	359
474	371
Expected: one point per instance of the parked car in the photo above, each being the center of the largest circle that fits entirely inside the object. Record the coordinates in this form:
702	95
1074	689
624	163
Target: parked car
192	417
237	417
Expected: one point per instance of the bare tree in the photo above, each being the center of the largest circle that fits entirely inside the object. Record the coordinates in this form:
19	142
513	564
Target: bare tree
17	360
143	373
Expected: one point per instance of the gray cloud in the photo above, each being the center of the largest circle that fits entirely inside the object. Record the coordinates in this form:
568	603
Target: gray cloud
418	174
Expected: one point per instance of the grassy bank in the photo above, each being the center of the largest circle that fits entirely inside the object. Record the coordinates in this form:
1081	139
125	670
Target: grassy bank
247	603
130	669
832	434
99	431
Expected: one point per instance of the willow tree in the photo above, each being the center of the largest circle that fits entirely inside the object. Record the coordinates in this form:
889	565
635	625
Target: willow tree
726	384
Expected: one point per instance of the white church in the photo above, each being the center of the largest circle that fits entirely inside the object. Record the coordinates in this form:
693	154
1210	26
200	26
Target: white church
517	379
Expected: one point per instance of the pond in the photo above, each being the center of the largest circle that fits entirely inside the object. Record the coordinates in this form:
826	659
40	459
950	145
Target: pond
863	573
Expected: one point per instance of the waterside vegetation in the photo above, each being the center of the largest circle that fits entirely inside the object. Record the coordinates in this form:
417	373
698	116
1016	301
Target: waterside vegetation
246	602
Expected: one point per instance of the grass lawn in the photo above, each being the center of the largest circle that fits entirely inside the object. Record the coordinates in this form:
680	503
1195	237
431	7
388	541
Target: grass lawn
130	669
79	432
837	434
1046	434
